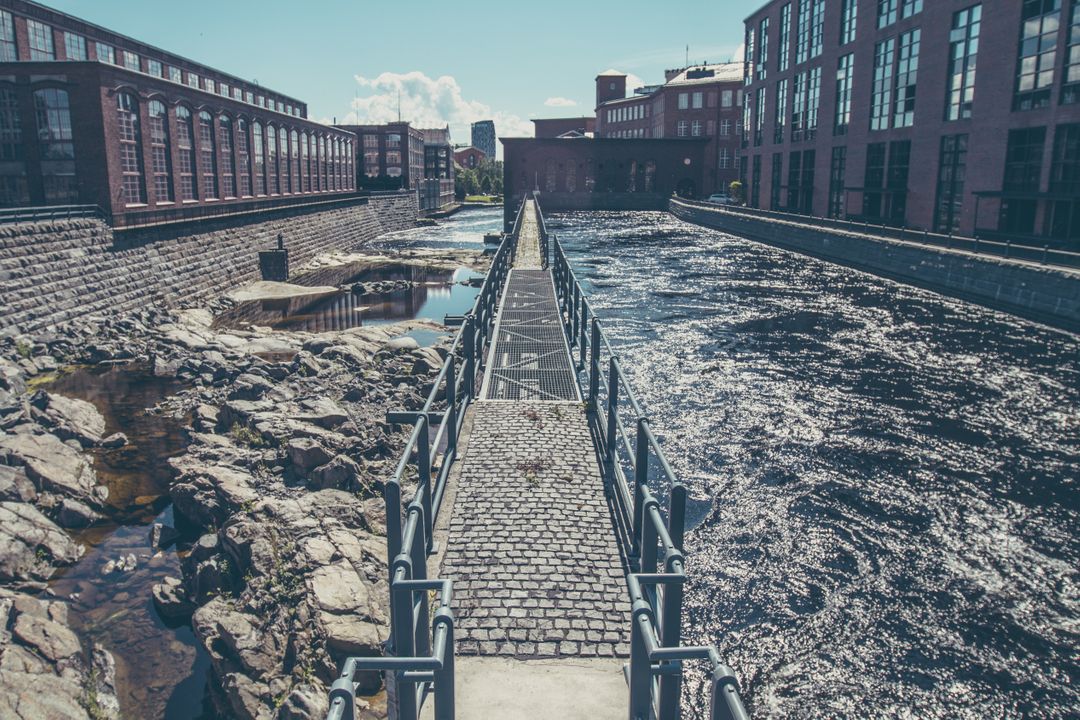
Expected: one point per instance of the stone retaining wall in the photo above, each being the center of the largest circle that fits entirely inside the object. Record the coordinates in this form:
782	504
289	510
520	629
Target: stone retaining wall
54	272
1042	293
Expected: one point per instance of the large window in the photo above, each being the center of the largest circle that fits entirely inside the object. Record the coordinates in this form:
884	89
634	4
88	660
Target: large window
74	46
849	14
1070	90
371	155
53	114
755	183
1023	171
885	181
874	180
776	180
41	41
160	151
305	171
802	31
881	93
153	67
963	50
294	168
813	103
783	43
260	158
837	178
131	61
907	68
208	156
886	12
131	166
681	128
759	119
845	69
910	7
243	155
283	160
780	114
952	166
8	47
817	28
228	163
272	186
1064	221
371	163
749	54
798	107
801	182
185	146
1038	53
763	50
13	187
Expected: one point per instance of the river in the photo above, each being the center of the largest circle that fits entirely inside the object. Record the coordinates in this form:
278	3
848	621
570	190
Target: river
892	474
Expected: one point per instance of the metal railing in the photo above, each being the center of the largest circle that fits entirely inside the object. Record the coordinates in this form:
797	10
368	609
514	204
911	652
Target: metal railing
420	663
652	541
1044	255
50	213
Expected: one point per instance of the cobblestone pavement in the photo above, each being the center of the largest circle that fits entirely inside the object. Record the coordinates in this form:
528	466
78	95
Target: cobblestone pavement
531	551
528	250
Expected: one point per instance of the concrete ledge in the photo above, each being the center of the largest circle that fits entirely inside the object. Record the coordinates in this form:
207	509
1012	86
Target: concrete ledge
1045	294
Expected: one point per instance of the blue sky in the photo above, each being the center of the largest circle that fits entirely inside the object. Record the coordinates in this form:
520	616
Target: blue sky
452	62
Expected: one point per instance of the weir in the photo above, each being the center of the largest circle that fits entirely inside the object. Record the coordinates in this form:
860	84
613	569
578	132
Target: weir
537	568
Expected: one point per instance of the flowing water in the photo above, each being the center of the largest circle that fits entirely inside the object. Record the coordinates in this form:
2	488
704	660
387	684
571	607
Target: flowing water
161	670
893	474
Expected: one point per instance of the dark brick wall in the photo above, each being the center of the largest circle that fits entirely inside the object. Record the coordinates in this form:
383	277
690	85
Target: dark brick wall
53	273
1045	294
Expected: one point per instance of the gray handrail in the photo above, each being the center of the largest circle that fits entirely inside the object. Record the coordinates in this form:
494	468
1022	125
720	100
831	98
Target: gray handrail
652	541
421	662
1044	255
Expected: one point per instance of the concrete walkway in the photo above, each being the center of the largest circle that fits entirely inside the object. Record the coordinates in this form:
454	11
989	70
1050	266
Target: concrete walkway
542	618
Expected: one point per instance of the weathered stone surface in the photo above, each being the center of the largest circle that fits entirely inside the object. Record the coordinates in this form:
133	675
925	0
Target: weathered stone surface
78	418
73	514
171	600
29	541
40	696
15	486
341	473
51	640
307	453
52	465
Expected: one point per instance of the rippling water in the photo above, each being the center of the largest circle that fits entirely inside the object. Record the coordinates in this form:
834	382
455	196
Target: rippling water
894	529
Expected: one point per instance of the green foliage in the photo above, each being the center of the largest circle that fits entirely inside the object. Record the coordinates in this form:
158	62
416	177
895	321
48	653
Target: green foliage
23	349
89	699
246	436
485	178
735	189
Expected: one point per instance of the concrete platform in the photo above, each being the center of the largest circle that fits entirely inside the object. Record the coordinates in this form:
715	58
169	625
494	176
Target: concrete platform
490	688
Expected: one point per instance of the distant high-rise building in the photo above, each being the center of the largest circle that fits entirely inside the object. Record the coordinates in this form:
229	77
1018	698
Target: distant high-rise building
483	137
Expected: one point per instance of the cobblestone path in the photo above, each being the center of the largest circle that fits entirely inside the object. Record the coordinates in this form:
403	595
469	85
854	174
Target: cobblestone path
530	547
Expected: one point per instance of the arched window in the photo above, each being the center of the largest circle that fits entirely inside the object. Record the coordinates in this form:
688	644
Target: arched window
185	145
160	152
337	163
260	158
244	157
208	156
294	162
283	159
130	137
350	176
13	187
272	186
228	162
316	185
305	174
323	174
53	114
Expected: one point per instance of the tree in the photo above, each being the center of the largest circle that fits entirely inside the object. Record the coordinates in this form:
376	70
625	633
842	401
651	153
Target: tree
736	190
485	185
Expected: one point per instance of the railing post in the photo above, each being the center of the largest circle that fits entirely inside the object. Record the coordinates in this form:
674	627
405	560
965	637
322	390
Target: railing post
582	341
468	341
677	515
444	678
613	409
594	367
403	690
423	461
1008	248
641	480
1046	249
575	313
392	496
671	685
640	670
451	404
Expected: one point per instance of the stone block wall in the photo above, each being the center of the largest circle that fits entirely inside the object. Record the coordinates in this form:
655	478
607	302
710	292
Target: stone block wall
1044	293
54	272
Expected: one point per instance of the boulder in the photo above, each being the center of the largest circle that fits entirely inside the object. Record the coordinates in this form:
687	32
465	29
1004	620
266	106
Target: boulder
341	473
30	542
114	441
77	418
15	486
53	466
74	514
162	536
51	640
171	600
307	454
324	412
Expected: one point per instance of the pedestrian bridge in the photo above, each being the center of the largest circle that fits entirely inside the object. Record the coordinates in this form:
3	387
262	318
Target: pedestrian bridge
535	566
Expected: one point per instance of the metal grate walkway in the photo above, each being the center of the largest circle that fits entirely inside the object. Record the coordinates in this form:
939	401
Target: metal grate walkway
529	357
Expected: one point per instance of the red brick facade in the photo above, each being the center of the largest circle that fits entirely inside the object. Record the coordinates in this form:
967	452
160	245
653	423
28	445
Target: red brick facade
469	157
554	127
924	114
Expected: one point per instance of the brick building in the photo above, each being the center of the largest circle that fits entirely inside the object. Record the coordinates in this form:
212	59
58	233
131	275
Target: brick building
88	116
953	116
438	188
701	101
601	173
469	157
558	127
483	137
389	156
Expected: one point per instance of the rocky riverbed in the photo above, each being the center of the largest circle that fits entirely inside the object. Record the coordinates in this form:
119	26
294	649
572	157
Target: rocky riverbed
279	520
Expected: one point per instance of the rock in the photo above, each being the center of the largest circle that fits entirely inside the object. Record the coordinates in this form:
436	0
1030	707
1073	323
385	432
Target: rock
15	486
29	542
165	367
116	440
323	412
162	536
248	386
205	547
40	696
340	473
74	514
102	686
307	454
237	635
49	639
305	702
171	600
52	465
77	418
402	342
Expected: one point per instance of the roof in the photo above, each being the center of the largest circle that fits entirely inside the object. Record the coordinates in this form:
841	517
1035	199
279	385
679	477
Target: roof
611	73
723	72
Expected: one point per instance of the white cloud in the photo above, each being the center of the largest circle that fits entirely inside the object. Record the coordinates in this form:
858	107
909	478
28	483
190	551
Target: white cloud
428	102
559	102
633	82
